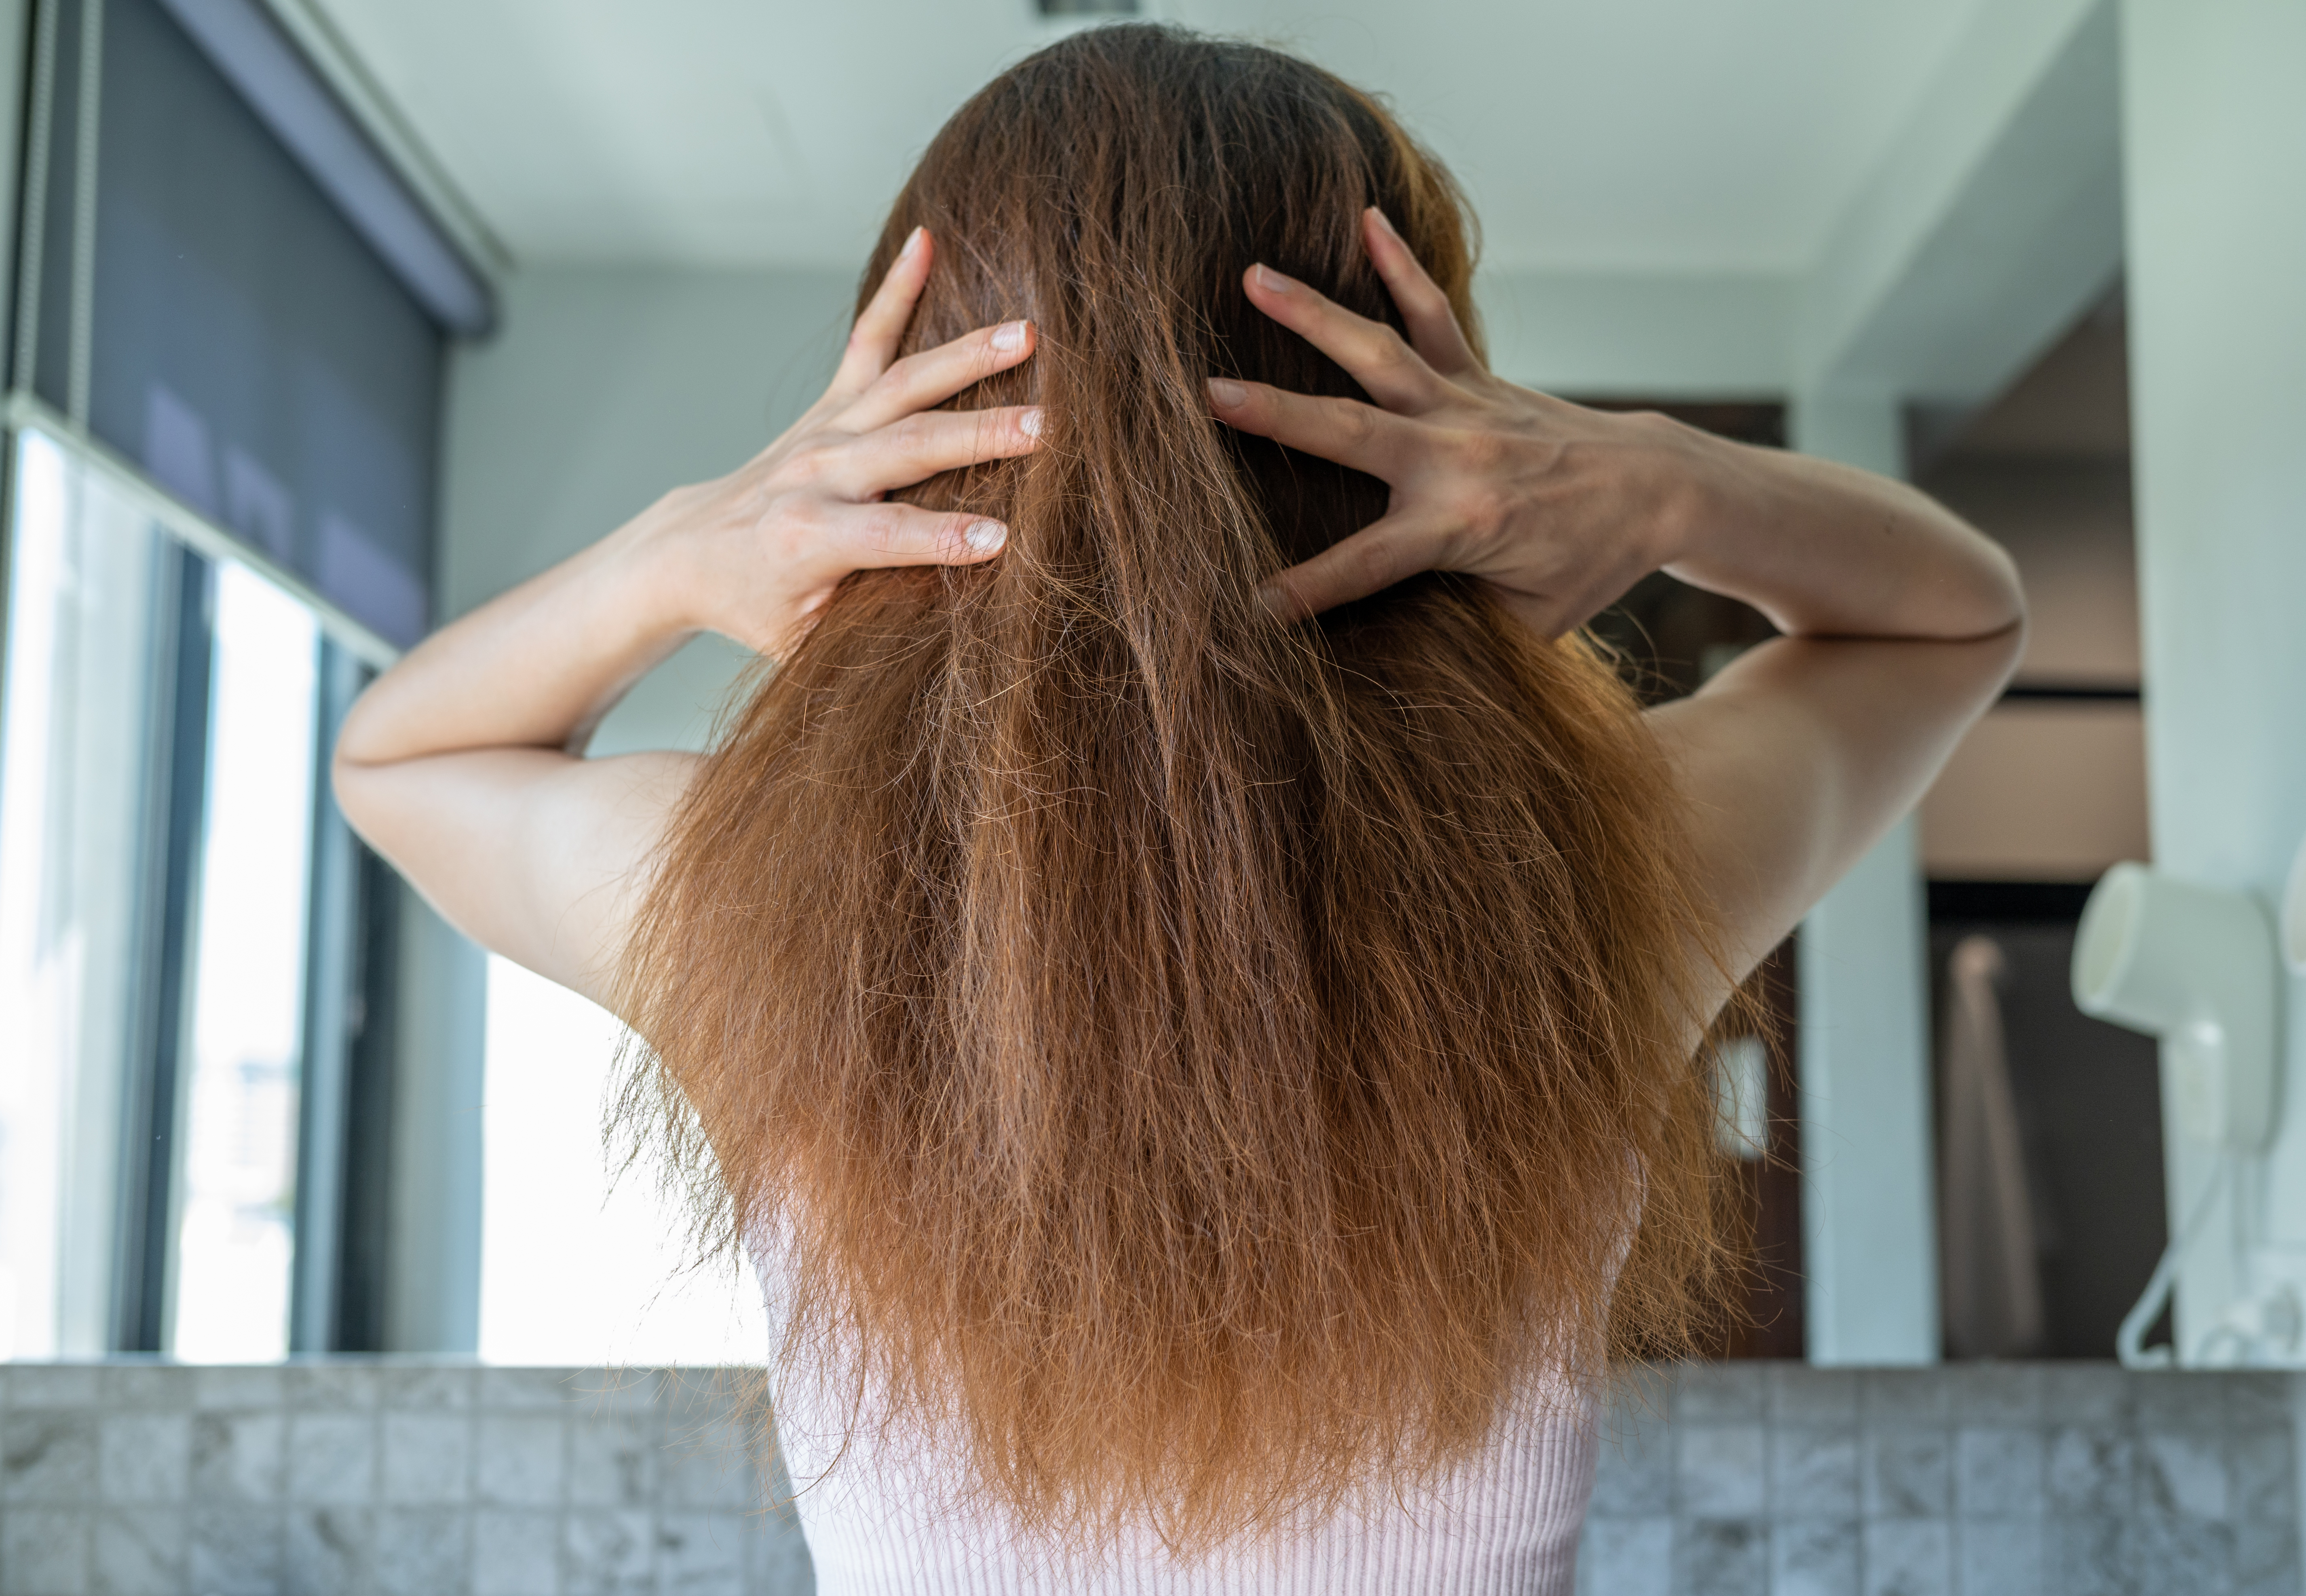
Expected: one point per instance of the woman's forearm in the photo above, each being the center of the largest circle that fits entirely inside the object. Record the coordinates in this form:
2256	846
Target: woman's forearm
535	668
1827	550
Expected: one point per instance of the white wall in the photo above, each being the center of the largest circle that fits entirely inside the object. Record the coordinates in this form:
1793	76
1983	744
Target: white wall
1699	336
604	390
2215	127
1869	1229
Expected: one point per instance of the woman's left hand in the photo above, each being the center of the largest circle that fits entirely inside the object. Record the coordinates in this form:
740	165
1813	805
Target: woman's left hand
1562	508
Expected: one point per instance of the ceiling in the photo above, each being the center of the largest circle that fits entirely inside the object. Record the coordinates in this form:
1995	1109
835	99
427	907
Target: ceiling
1594	135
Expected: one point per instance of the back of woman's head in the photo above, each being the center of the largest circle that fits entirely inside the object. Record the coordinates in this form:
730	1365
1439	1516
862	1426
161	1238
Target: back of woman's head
1199	1064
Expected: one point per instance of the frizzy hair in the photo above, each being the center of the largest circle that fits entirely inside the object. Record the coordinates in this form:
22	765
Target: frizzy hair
1195	1065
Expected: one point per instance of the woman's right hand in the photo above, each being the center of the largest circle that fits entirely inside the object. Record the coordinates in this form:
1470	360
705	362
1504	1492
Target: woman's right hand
755	554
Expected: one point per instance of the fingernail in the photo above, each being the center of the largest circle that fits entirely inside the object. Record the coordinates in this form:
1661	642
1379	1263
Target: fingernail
1384	220
1009	337
1272	281
1030	423
912	243
1229	394
983	537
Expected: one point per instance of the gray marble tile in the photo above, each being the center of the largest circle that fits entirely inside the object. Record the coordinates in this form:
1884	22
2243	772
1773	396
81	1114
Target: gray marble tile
238	1385
2178	1400
236	1550
1997	1394
139	1551
43	1551
1633	1477
530	1388
329	1551
1997	1473
423	1551
2092	1394
777	1563
1908	1473
1717	1557
1814	1556
514	1553
1639	1398
1798	1394
50	1384
2266	1560
332	1457
1712	1392
1721	1470
2091	1470
1911	1556
147	1383
1619	1557
700	1416
1902	1396
2257	1399
709	1474
333	1385
606	1552
523	1460
426	1386
238	1457
48	1455
2177	1554
701	1554
2083	1555
2184	1475
616	1393
2261	1465
1814	1472
427	1458
145	1457
1998	1557
612	1462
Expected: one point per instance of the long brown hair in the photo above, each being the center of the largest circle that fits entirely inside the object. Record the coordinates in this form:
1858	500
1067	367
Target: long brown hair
1199	1064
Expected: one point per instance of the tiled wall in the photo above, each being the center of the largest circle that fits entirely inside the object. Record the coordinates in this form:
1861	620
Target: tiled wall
410	1479
382	1478
1973	1479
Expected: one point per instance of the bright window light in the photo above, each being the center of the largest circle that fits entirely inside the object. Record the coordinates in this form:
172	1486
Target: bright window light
237	1233
574	1271
75	743
38	944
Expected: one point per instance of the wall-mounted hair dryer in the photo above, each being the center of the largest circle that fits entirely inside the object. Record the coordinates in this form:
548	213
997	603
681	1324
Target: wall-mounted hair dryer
2194	966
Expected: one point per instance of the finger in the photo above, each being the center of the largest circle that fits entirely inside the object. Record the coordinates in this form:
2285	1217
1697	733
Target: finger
1373	559
934	375
922	445
1346	431
1375	355
1434	330
873	341
872	536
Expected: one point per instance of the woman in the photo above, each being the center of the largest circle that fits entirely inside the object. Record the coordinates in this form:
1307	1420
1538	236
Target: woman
1186	976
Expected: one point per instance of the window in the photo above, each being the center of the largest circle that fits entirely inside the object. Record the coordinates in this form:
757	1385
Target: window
236	1216
224	370
576	1268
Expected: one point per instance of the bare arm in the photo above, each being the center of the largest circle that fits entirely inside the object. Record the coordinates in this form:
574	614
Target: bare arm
1903	623
464	764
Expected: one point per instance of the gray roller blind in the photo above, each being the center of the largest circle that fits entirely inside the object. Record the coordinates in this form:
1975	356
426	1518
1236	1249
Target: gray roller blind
242	339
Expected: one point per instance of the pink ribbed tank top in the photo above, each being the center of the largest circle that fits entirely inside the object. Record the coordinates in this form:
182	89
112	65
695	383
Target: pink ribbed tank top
878	1512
